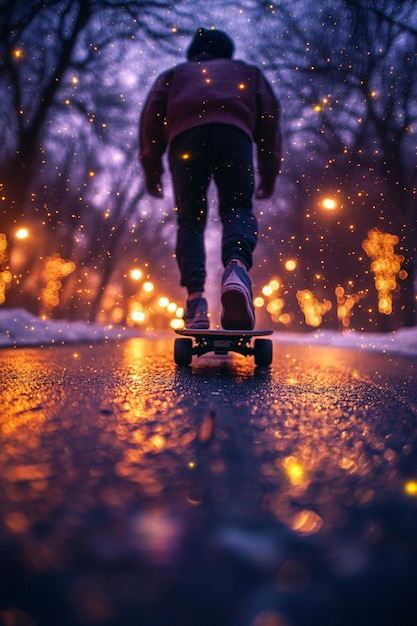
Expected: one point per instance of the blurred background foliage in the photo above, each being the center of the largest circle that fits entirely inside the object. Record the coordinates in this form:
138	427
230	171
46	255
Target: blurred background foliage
80	240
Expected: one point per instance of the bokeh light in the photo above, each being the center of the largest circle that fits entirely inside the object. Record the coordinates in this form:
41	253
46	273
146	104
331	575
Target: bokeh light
22	233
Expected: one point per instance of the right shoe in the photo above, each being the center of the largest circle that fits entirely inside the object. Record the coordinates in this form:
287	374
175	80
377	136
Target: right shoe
236	296
195	315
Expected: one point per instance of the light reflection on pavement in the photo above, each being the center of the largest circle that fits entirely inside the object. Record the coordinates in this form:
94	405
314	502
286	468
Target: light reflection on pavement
136	492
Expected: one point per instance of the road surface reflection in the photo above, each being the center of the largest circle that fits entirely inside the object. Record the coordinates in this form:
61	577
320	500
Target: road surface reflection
143	493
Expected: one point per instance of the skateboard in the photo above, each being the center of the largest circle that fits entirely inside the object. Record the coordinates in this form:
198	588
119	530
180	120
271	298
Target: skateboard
197	342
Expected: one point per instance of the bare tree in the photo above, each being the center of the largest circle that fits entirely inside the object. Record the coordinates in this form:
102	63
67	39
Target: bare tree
63	114
387	82
348	70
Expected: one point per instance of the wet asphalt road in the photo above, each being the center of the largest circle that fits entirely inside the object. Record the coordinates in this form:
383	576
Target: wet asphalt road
136	493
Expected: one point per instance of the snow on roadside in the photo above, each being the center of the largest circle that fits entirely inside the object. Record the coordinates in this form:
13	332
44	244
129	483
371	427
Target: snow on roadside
20	328
403	341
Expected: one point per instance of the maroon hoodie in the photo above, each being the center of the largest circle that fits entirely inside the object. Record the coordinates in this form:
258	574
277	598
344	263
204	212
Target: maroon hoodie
202	92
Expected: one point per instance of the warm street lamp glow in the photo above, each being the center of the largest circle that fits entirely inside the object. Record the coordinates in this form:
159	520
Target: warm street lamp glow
410	487
329	204
136	274
22	233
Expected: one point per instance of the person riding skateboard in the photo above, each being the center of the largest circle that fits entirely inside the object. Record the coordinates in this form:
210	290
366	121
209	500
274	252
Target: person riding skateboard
209	111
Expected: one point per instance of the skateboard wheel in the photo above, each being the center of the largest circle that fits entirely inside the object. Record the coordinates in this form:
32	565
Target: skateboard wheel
183	351
263	352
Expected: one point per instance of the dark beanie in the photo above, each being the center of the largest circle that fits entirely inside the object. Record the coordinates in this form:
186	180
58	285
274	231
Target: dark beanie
212	43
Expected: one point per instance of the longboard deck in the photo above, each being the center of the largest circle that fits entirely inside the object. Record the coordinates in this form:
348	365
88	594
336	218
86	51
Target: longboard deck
218	332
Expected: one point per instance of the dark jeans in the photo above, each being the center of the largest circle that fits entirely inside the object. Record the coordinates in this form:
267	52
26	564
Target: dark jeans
223	152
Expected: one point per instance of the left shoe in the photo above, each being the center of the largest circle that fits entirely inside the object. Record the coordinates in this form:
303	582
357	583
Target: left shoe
196	315
236	296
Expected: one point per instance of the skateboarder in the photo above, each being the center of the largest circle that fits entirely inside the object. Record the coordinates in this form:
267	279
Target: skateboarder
210	111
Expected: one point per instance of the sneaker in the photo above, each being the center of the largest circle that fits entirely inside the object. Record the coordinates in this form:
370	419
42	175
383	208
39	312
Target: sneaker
195	315
238	312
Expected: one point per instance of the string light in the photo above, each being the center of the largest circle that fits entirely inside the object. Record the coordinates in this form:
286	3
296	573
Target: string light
55	268
386	266
312	309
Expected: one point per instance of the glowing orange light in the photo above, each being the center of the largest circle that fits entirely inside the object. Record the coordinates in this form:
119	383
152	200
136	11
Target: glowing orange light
294	470
290	265
176	323
386	266
313	309
410	488
138	316
55	268
345	304
285	319
136	274
307	522
22	233
5	276
275	307
329	204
